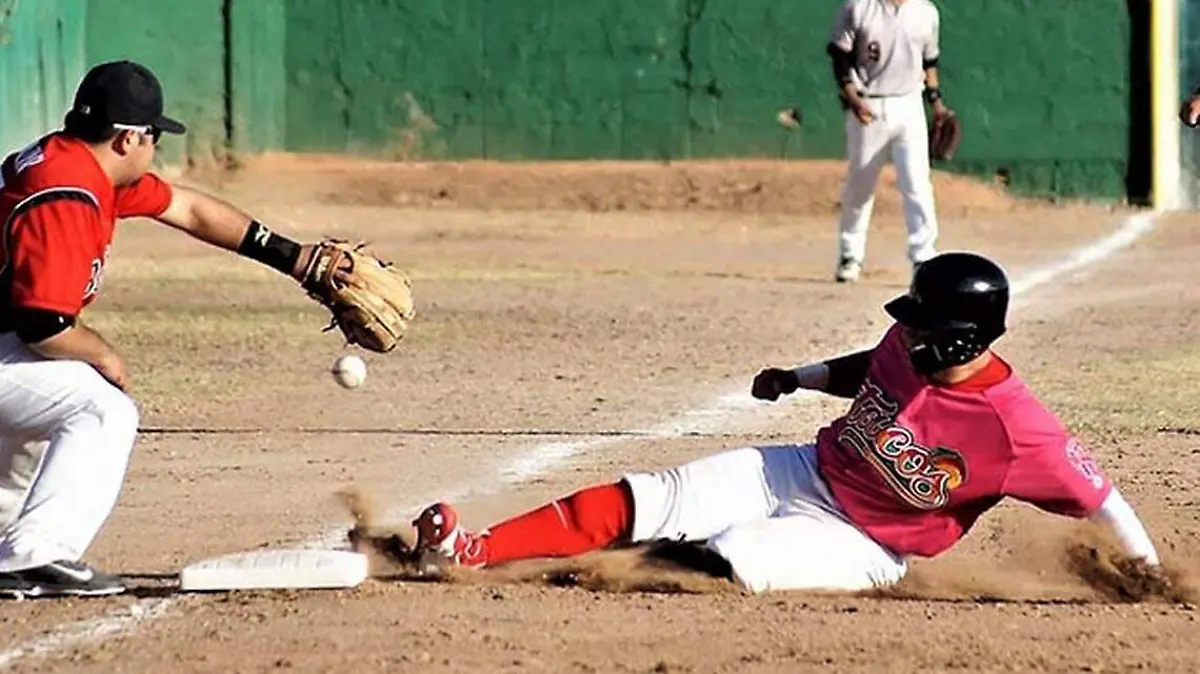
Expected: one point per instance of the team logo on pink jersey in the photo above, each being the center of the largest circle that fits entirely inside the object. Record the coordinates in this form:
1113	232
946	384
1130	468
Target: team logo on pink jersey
1083	462
920	476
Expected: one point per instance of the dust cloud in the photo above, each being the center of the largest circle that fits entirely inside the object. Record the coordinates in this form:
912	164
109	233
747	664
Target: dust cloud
1075	565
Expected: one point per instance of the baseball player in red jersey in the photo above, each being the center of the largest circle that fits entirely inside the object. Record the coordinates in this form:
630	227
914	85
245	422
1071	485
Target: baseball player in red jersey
940	430
67	427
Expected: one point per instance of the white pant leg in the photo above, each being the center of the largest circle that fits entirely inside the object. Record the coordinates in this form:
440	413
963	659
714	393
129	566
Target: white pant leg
19	463
867	150
910	155
90	426
809	550
808	543
701	498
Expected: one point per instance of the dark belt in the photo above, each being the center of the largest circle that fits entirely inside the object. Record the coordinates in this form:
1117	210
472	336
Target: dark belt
862	95
846	106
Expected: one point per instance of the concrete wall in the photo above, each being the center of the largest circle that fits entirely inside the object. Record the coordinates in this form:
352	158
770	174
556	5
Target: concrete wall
154	32
532	80
41	57
1043	88
1053	95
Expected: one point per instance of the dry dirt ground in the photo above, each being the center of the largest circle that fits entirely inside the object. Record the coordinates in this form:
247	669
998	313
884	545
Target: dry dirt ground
559	306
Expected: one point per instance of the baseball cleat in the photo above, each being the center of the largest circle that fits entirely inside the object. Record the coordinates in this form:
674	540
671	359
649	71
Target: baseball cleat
848	270
439	532
59	579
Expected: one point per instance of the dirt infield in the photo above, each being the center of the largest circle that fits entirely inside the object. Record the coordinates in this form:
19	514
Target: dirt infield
559	307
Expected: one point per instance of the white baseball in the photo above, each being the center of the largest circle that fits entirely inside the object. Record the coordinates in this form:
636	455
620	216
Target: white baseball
349	371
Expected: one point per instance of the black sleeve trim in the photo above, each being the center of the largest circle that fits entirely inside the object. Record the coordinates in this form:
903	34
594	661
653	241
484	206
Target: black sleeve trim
38	325
847	374
49	195
929	63
843	63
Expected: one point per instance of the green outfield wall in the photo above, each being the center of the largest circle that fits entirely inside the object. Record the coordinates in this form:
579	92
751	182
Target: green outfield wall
1053	94
183	42
41	55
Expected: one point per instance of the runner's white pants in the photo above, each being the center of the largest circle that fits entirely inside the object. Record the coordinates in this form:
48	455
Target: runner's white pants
66	435
899	132
769	514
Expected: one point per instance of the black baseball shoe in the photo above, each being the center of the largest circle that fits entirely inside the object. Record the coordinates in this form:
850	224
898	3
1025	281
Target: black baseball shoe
848	270
59	579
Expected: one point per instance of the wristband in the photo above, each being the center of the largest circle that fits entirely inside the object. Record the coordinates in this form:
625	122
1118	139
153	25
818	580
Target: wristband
933	95
274	250
812	376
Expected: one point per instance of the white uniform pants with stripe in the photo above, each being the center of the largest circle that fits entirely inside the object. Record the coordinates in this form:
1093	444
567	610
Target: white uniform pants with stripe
66	435
769	514
900	133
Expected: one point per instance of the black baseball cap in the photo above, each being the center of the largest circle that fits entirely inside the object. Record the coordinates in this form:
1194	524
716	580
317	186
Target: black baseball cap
121	92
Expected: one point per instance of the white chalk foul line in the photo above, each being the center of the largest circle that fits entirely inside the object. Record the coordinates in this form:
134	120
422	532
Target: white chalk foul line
725	412
1130	231
88	631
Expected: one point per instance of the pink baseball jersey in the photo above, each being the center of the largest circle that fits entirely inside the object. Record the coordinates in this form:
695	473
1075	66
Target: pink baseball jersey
915	464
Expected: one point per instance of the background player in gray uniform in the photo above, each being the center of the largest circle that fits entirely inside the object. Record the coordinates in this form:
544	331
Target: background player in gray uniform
885	55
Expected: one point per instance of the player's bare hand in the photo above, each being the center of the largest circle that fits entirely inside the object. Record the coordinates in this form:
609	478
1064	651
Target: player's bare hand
789	118
1189	114
774	382
862	111
112	368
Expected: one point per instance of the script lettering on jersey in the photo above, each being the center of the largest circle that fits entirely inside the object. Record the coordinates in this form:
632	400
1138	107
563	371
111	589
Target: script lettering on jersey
97	276
920	476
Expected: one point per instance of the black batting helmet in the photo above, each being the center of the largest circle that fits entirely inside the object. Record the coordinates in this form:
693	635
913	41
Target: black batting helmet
956	306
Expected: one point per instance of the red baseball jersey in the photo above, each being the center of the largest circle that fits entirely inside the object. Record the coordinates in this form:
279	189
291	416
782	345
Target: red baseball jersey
59	210
914	465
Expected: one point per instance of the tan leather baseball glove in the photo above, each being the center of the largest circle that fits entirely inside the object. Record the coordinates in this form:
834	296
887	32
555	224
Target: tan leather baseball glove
371	300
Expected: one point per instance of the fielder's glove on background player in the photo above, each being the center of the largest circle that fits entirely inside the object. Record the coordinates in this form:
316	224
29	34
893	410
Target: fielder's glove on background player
371	300
945	133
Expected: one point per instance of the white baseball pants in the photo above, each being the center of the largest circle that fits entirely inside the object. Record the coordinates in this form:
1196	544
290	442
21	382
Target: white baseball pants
899	132
769	514
66	436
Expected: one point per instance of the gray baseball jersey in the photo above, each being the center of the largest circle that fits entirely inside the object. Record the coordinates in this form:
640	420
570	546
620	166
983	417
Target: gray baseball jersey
890	42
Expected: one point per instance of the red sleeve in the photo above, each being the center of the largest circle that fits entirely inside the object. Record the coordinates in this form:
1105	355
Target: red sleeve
50	258
148	197
1051	469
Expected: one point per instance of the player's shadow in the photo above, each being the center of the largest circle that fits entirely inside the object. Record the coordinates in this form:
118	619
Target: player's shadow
151	585
974	600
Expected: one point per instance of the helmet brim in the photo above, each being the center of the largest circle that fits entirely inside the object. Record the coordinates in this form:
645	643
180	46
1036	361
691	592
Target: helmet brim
905	310
908	311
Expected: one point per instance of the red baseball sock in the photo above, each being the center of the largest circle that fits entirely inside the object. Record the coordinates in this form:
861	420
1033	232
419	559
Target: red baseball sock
587	520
